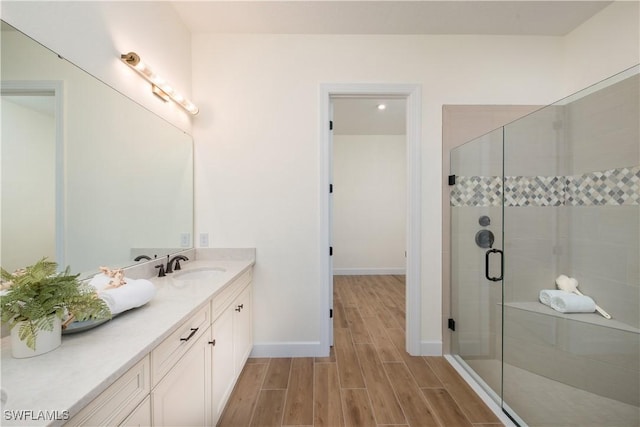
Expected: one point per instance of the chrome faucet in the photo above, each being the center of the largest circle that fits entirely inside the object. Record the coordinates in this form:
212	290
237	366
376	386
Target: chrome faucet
174	263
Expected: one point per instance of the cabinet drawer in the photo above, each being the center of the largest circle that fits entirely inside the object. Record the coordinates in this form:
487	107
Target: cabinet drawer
222	300
115	404
169	351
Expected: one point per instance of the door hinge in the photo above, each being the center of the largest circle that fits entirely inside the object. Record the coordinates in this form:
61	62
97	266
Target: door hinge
330	124
330	250
452	180
331	313
330	188
452	324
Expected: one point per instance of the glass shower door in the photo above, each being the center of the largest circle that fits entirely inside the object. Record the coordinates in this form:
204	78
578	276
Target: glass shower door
476	259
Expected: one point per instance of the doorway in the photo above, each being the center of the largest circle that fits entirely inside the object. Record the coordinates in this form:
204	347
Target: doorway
32	172
410	95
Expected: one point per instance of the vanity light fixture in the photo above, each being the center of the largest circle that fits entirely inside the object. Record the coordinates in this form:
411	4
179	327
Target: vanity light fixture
159	86
382	107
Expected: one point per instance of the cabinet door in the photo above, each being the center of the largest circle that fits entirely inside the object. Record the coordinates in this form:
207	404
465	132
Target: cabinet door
242	329
140	417
183	396
222	366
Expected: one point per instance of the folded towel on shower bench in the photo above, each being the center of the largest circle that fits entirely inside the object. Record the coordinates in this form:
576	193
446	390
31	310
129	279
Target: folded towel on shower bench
572	303
547	294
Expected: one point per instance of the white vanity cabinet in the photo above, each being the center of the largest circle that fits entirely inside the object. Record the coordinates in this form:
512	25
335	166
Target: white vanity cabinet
187	379
182	397
232	331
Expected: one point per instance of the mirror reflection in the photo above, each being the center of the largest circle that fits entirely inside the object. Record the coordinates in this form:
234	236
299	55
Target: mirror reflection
89	177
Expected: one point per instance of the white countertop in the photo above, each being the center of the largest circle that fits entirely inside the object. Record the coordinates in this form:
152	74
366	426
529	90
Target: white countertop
70	377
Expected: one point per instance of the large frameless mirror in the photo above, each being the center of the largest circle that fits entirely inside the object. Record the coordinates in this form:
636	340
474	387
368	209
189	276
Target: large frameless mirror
89	177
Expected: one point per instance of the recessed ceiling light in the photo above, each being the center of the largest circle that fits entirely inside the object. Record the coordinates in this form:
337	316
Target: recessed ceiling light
382	106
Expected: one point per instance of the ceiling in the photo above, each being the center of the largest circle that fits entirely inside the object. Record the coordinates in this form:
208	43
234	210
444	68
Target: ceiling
502	17
360	116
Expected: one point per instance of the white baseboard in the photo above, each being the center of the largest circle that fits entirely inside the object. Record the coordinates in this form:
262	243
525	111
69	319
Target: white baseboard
431	348
367	271
288	349
314	349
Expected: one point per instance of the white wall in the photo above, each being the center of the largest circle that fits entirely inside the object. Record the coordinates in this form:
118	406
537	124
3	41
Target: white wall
93	34
605	45
258	148
369	210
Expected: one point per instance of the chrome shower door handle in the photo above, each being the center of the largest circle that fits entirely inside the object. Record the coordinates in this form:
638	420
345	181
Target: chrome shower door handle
486	265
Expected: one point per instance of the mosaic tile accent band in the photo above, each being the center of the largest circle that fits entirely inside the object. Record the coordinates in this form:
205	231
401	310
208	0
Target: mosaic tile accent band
612	187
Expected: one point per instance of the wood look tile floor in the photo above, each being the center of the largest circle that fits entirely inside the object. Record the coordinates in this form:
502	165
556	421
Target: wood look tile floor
368	379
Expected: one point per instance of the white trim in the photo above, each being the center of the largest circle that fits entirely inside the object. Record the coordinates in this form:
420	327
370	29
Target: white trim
368	271
21	87
288	349
412	93
431	348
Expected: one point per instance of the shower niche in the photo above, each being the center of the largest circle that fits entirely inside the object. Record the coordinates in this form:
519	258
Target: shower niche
562	189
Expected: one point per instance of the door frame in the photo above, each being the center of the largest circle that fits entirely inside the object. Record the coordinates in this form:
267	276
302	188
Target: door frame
413	96
53	88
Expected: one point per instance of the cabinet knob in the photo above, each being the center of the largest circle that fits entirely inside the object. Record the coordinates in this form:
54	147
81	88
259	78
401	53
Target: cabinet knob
240	307
213	343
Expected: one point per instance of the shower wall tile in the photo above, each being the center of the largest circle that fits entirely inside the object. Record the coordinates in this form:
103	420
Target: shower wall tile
477	191
539	330
473	295
523	153
620	300
598	261
542	359
524	278
481	157
607	345
609	220
596	359
605	257
616	187
602	128
534	191
532	223
611	187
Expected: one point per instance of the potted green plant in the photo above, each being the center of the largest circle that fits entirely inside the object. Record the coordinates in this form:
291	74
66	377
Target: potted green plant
35	301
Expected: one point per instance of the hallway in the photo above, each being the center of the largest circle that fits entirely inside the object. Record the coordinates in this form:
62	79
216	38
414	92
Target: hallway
368	380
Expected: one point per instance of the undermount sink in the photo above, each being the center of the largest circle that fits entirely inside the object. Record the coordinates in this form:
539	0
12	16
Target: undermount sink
204	273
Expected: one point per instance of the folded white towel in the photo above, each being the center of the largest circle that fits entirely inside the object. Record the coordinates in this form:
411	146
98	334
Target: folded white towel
546	295
572	303
134	294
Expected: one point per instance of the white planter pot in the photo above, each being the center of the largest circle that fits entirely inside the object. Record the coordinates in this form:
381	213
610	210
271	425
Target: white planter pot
45	341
